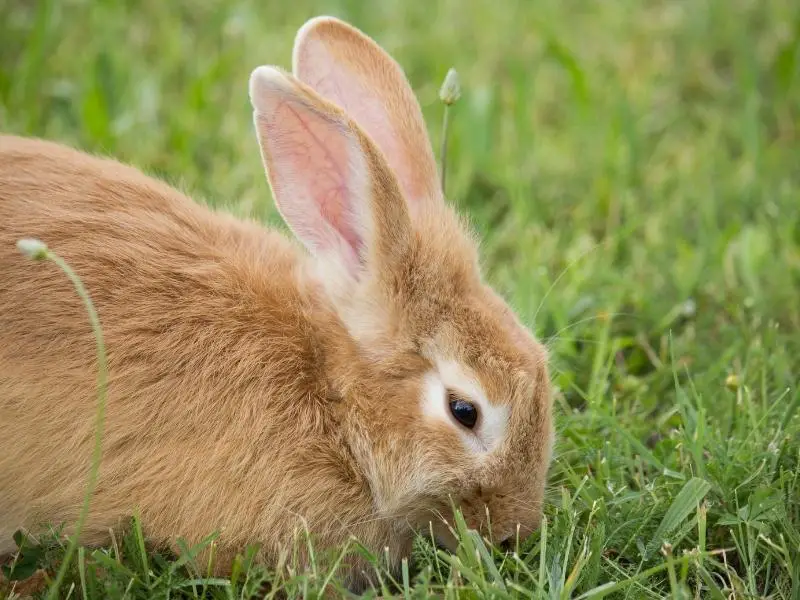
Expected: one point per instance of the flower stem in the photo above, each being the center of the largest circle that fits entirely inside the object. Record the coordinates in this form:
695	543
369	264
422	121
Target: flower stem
443	153
38	251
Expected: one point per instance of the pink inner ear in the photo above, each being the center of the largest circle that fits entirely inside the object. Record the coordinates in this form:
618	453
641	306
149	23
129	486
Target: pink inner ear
347	90
313	180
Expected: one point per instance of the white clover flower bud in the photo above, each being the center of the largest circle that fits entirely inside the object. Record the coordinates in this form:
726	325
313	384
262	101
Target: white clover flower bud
32	248
451	88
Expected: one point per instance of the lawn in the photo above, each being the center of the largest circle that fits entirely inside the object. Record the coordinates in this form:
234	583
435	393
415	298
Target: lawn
633	169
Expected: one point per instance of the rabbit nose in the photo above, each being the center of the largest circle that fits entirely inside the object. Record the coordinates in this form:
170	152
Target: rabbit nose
507	544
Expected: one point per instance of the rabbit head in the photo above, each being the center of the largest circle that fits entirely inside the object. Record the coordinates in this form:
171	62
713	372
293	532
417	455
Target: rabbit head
449	402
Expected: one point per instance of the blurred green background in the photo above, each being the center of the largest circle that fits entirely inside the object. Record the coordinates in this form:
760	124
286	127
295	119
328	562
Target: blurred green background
633	168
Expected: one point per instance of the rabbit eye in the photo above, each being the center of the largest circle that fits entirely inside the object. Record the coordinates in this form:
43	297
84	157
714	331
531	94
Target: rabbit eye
463	411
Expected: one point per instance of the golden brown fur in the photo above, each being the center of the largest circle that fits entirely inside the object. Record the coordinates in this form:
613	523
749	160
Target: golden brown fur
246	394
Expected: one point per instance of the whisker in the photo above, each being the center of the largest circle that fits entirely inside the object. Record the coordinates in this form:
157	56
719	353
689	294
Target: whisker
564	271
589	319
347	526
568	339
607	241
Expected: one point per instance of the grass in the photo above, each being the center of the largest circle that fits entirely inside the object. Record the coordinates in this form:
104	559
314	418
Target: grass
633	170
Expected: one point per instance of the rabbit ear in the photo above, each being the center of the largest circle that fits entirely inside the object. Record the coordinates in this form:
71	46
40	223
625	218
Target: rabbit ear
348	68
331	186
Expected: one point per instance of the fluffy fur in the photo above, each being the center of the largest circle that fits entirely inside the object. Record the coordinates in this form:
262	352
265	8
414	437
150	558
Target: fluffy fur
257	387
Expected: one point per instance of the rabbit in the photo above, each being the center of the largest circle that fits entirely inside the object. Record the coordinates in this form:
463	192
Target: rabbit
358	380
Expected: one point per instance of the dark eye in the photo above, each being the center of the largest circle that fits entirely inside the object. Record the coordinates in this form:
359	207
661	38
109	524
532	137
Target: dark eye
463	411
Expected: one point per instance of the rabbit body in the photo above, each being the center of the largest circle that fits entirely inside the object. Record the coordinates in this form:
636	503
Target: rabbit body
215	349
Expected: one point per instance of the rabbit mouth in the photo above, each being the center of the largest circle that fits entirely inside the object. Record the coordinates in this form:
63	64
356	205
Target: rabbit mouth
440	534
447	545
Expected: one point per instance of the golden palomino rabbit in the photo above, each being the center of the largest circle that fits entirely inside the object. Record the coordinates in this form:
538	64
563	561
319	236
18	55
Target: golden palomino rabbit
354	384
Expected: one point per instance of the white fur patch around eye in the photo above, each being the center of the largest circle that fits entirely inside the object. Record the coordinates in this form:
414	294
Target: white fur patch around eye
492	420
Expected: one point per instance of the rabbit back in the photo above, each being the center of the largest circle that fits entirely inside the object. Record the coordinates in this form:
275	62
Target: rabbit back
209	347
